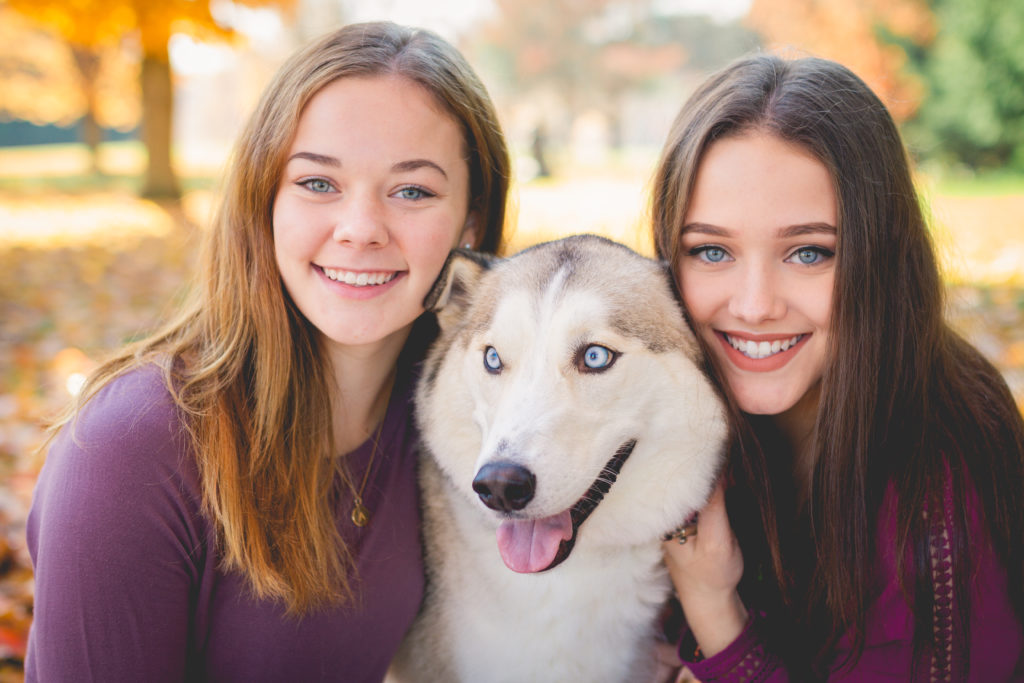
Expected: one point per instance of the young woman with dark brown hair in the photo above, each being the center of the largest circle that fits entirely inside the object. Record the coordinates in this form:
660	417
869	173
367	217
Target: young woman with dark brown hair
876	493
235	498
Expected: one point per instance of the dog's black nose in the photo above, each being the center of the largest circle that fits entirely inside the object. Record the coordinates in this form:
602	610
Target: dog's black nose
504	487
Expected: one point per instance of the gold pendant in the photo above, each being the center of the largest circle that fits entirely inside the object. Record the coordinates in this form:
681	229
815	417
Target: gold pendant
360	515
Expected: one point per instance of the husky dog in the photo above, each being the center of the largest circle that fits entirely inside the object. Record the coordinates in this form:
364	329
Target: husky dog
567	426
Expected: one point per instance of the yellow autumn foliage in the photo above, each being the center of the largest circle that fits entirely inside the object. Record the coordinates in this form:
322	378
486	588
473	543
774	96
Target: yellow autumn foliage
98	23
847	31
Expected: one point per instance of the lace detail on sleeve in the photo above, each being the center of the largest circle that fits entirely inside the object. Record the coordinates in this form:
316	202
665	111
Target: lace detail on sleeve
751	669
942	610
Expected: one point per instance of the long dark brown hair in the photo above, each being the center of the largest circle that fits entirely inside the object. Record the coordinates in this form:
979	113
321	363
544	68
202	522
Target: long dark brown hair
905	401
246	368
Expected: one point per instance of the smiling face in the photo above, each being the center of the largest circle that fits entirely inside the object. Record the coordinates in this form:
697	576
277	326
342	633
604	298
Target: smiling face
374	194
756	267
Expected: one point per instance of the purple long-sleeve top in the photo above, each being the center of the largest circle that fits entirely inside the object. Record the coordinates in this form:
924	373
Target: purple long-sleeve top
129	585
996	645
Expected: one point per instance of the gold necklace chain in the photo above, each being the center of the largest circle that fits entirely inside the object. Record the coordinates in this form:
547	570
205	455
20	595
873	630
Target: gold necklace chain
360	514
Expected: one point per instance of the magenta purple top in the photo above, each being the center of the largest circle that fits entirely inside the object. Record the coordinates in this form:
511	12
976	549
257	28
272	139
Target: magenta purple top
996	647
128	582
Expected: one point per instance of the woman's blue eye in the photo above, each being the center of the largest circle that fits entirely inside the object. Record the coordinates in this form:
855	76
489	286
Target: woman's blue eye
597	358
807	255
711	254
810	256
413	193
492	361
317	185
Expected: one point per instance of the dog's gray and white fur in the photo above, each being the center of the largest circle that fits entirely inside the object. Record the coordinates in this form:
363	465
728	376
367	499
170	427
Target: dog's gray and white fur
564	380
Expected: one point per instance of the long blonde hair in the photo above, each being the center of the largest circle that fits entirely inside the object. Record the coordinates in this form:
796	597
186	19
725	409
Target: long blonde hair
243	364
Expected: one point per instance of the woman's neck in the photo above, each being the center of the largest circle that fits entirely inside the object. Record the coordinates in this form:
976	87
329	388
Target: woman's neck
363	379
797	426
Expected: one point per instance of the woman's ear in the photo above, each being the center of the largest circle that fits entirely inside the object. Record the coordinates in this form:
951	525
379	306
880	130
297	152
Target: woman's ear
470	234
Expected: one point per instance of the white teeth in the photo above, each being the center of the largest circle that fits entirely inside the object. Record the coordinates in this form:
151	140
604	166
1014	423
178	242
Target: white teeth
759	350
358	279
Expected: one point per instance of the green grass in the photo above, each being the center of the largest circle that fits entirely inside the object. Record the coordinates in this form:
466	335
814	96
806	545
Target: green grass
984	184
66	168
88	183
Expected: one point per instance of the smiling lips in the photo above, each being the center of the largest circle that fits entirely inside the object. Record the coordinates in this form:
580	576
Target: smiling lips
760	355
761	349
361	279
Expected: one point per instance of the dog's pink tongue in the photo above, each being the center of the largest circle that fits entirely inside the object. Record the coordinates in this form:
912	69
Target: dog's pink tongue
531	545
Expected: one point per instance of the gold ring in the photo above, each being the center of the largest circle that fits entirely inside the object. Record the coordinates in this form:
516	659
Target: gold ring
682	533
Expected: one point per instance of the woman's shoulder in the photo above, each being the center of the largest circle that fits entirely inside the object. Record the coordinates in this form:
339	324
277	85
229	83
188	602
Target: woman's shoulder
131	426
135	405
120	474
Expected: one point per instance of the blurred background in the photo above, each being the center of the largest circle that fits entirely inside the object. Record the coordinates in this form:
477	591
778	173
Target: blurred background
116	117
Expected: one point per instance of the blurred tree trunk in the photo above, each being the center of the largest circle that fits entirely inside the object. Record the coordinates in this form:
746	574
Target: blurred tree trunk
157	126
539	151
88	62
96	23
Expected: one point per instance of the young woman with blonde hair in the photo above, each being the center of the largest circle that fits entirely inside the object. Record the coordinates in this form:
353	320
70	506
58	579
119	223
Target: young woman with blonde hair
876	493
234	498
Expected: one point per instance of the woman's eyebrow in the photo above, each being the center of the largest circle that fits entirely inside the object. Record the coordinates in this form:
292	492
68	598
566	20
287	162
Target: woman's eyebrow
797	230
399	167
807	229
322	159
415	164
704	228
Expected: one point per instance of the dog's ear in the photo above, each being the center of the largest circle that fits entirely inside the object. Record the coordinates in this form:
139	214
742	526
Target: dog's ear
692	344
449	297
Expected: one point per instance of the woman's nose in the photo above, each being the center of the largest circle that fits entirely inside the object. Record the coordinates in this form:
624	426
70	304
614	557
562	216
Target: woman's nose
360	222
758	296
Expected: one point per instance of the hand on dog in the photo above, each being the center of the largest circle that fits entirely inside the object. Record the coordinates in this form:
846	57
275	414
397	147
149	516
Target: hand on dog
705	572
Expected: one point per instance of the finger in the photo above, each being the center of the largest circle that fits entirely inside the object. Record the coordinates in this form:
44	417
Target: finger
717	497
714	520
712	523
667	663
686	676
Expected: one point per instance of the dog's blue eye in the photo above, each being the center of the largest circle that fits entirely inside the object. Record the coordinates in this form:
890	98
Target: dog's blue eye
492	361
596	357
